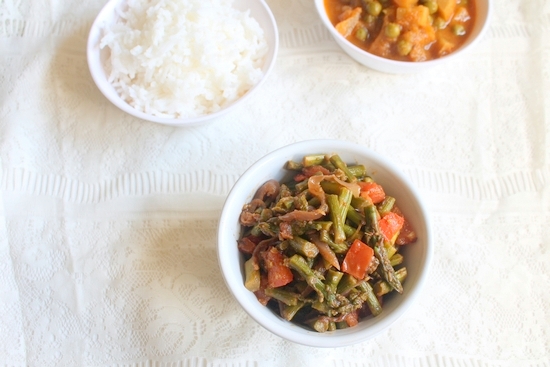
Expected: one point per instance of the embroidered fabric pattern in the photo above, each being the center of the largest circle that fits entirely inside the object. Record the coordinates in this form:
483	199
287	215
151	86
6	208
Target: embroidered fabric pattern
108	223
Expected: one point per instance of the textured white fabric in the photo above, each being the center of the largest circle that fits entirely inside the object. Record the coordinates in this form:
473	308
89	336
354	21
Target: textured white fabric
108	223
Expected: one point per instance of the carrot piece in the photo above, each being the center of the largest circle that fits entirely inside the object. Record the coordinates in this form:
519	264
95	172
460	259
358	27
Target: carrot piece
416	16
446	8
405	3
278	274
357	259
373	191
390	224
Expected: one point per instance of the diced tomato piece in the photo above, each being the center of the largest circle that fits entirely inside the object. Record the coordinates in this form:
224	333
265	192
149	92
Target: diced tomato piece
373	190
285	231
278	274
390	224
299	177
357	259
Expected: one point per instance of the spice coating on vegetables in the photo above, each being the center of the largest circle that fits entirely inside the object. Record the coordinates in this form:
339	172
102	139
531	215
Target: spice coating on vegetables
322	249
406	30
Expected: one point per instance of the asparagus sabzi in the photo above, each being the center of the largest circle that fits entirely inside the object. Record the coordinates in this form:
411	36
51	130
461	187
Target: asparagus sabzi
323	248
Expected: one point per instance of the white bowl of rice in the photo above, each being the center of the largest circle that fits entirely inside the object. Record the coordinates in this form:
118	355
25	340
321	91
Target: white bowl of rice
181	62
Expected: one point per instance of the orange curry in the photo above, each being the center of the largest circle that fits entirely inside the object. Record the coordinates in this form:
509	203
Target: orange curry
407	30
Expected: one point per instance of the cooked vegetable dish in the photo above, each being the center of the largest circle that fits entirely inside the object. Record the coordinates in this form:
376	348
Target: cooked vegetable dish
322	248
407	30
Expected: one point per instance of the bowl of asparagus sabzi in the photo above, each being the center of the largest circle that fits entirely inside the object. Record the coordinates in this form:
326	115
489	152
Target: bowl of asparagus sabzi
324	242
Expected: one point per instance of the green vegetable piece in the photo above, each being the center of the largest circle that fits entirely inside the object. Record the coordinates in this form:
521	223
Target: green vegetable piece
313	160
439	23
269	229
293	166
431	5
256	231
396	259
338	248
458	29
354	217
371	299
369	20
352	233
358	170
336	218
322	225
362	34
252	275
390	249
392	30
332	278
404	47
288	312
371	218
385	265
342	325
304	247
374	8
300	186
339	163
338	208
265	214
331	187
320	324
322	307
360	203
382	287
283	295
386	205
349	231
299	264
346	284
344	199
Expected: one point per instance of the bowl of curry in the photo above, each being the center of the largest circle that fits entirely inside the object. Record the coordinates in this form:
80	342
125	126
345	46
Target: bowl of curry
400	36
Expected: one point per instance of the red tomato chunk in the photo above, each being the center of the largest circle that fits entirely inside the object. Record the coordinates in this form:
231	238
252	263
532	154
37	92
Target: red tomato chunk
373	191
278	274
357	259
390	225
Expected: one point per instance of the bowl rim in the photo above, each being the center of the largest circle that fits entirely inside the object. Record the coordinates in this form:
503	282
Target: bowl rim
399	64
286	329
93	58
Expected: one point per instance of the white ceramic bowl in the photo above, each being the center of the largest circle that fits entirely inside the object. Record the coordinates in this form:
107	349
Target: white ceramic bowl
259	10
483	10
417	256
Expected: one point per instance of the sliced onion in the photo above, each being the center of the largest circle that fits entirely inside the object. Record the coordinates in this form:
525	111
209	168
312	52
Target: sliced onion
353	187
302	215
325	251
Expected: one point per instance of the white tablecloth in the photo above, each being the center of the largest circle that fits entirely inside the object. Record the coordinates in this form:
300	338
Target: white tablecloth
108	223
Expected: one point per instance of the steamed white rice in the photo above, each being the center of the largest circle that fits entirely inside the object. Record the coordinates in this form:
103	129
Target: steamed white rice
183	58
